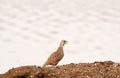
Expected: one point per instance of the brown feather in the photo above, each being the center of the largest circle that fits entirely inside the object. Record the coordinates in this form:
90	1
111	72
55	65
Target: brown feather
56	56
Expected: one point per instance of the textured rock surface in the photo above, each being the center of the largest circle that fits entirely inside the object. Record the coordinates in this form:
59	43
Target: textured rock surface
107	69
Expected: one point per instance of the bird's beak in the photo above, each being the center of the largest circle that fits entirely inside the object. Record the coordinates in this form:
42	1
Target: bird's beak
66	41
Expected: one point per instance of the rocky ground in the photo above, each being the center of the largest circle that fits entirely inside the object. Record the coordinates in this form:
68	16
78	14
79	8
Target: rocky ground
107	69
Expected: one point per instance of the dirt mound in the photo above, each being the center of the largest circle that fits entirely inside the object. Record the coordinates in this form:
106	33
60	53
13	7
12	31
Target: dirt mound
107	69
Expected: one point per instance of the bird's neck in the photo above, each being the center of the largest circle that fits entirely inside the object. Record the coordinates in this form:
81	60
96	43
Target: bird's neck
61	44
60	48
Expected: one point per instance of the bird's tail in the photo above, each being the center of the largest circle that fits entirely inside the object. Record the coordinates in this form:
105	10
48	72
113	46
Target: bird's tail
44	64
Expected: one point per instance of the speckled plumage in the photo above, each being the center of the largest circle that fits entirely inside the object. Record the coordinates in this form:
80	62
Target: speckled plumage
56	56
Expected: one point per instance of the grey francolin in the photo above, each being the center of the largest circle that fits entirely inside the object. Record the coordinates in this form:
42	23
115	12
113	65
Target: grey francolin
56	56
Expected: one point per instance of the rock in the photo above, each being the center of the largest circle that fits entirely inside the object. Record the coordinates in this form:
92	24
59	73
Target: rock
107	69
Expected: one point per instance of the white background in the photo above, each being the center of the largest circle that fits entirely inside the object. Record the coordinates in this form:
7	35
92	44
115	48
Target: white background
30	30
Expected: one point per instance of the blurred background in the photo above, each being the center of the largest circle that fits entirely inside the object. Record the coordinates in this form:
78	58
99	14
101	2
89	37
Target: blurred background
30	30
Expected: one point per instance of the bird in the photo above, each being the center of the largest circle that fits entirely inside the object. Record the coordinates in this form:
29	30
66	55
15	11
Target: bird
56	56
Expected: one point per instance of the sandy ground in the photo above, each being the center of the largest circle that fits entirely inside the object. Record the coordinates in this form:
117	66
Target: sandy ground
92	28
107	69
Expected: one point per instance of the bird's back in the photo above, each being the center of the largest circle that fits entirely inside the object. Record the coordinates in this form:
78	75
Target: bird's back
55	57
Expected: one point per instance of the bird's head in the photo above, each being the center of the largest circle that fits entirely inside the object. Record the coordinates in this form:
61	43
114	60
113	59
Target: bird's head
62	43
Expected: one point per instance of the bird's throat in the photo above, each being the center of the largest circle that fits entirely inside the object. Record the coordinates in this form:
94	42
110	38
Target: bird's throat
61	45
